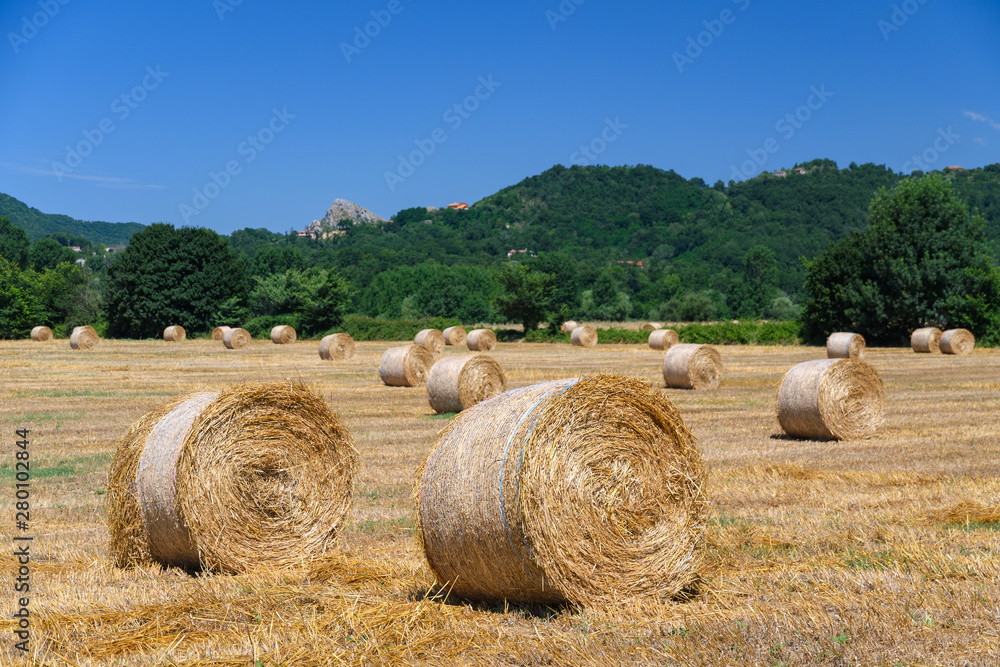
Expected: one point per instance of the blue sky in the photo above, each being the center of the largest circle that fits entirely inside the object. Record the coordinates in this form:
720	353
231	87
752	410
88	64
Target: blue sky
229	114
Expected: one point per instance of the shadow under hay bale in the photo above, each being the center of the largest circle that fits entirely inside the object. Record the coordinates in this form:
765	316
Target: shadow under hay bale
459	382
957	341
845	345
663	339
584	336
432	339
454	335
283	335
568	326
481	340
926	340
831	399
260	474
336	347
84	338
174	334
405	366
236	339
41	334
218	333
571	490
692	366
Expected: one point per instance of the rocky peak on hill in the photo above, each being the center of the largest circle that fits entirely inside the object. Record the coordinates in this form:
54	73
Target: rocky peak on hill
341	211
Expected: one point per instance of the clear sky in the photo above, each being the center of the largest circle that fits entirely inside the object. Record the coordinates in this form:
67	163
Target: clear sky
237	113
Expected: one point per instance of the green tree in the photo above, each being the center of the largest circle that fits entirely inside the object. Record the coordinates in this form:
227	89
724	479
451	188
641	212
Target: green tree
20	307
753	292
48	253
14	243
318	297
526	294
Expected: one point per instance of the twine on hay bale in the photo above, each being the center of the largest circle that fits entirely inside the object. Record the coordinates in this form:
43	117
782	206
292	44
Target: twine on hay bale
584	336
845	345
927	339
219	332
652	326
831	399
568	326
481	340
570	490
41	334
283	335
663	339
432	339
405	366
260	474
692	366
957	341
84	338
236	339
454	335
336	347
459	382
174	334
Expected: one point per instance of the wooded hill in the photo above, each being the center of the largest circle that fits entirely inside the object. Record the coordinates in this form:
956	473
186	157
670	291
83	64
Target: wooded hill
70	231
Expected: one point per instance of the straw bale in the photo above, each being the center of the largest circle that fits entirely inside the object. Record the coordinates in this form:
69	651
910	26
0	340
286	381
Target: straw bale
584	336
459	382
568	326
845	345
831	399
219	332
957	341
432	339
41	334
692	366
336	347
927	339
283	335
236	339
454	335
260	474
652	326
84	338
481	340
663	339
405	366
570	490
174	334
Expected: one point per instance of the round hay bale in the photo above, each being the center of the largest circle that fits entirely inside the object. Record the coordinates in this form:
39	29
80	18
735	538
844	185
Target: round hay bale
432	339
957	341
454	335
570	490
663	339
236	339
692	366
41	334
568	326
260	474
845	345
927	339
84	338
174	334
831	399
405	366
283	335
459	382
481	340
219	332
652	326
336	347
584	336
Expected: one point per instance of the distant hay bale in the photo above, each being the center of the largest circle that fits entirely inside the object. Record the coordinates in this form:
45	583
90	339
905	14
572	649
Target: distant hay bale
831	399
570	490
236	339
260	474
584	336
663	339
481	340
454	335
845	345
84	338
652	326
174	334
927	339
568	326
405	366
432	339
336	347
219	332
41	334
459	382
691	366
957	341
283	335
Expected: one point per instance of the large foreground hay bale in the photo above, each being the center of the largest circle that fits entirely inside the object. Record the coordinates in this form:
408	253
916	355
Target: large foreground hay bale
570	490
845	345
432	339
663	339
568	326
831	399
405	366
174	334
336	347
454	335
236	339
459	382
84	338
283	335
219	332
652	326
41	334
692	366
584	336
260	474
481	340
957	341
927	339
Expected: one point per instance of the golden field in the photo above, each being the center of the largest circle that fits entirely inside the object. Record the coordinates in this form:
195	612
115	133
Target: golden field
877	552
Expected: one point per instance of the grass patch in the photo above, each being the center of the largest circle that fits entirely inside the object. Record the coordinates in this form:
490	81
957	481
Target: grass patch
442	416
714	333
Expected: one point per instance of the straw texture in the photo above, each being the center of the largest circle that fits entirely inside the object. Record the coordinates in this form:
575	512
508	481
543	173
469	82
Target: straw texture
663	339
481	340
691	366
570	490
844	345
652	326
219	332
41	334
174	334
257	475
405	366
927	339
459	382
454	335
236	339
831	399
957	341
584	336
568	326
432	339
336	347
84	338
283	335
